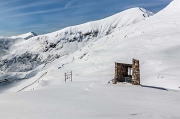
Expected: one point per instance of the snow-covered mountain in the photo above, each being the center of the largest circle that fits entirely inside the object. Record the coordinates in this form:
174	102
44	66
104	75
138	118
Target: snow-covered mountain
28	54
25	36
89	51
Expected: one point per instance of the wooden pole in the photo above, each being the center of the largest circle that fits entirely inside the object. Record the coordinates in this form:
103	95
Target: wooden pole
71	76
65	77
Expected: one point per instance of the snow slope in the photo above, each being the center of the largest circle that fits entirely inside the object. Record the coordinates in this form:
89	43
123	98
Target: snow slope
25	36
6	43
43	93
91	49
153	41
28	54
91	100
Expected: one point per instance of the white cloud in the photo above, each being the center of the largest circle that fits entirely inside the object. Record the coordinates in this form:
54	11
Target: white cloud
33	13
68	4
7	2
36	4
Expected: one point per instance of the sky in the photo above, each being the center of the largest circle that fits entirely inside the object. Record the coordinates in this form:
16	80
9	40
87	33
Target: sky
45	16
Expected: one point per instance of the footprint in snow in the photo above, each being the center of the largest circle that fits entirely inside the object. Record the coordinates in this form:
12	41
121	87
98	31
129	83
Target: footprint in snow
92	84
87	88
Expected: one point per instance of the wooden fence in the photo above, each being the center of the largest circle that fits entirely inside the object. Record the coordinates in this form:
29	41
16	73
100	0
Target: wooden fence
68	76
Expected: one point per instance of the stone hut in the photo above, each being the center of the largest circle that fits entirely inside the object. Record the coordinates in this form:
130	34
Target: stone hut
127	72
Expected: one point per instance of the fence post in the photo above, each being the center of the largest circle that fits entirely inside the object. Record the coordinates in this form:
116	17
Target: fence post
71	76
65	77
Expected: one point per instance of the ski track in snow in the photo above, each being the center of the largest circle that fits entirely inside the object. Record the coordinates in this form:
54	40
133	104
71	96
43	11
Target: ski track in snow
33	82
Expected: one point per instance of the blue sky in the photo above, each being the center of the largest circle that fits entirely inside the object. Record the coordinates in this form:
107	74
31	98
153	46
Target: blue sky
44	16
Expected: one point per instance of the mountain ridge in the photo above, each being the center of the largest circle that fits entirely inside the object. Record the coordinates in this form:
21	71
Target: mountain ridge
67	40
25	36
91	49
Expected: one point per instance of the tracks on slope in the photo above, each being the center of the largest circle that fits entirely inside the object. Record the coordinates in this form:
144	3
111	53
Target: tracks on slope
33	82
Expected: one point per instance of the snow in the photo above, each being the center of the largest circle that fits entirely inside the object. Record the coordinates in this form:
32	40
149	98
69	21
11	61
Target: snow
25	36
36	67
29	54
91	99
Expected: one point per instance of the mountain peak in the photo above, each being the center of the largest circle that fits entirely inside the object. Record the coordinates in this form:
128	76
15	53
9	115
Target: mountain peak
146	12
33	33
26	36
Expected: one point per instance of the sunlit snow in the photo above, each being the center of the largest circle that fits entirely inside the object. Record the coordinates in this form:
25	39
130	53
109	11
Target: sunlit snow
35	69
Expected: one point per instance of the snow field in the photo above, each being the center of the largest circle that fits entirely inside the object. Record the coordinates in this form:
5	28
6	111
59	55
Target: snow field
43	93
